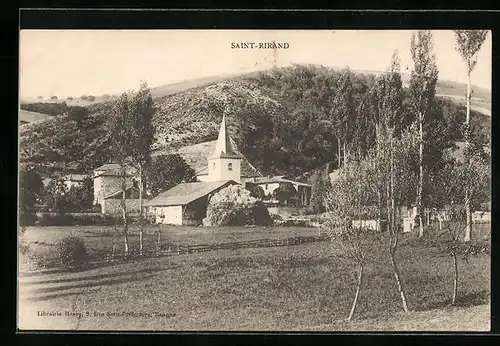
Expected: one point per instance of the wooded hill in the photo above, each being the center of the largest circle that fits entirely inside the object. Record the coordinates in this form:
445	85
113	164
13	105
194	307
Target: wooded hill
278	119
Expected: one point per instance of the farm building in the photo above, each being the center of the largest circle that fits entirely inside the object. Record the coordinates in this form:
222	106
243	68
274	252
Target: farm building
186	203
481	217
74	180
270	184
107	183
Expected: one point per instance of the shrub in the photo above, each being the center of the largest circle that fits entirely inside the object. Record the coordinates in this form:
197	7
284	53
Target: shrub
50	219
24	247
234	206
72	252
26	219
93	220
277	219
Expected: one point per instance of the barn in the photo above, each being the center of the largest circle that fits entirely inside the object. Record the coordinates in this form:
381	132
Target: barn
186	203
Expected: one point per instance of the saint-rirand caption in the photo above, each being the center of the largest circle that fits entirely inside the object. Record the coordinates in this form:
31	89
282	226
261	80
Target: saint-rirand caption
260	45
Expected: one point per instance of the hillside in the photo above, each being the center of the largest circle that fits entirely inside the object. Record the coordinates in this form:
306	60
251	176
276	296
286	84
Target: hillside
271	116
453	90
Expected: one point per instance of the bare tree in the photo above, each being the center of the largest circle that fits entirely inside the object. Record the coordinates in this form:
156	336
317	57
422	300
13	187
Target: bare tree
345	203
120	128
141	140
422	90
468	44
456	178
342	113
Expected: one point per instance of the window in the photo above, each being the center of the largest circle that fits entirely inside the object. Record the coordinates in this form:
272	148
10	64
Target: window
213	166
229	166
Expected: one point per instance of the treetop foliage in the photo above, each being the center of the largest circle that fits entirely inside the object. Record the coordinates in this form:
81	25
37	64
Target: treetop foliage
468	44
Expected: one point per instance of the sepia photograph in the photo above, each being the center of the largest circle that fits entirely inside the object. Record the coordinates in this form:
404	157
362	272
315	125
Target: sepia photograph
254	180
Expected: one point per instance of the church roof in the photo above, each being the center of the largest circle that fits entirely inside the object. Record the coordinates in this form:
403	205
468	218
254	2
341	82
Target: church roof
247	170
185	193
224	147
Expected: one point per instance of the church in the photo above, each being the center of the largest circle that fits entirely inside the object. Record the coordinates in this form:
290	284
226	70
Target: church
186	203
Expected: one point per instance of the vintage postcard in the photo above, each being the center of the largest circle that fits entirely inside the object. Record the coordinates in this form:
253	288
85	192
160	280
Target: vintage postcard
254	180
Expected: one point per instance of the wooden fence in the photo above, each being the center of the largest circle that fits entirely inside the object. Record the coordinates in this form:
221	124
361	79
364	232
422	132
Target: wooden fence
168	249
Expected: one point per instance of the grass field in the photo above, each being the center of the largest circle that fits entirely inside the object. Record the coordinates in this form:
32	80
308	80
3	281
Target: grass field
303	287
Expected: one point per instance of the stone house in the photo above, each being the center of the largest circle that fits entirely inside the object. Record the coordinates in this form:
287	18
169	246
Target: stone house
107	182
112	204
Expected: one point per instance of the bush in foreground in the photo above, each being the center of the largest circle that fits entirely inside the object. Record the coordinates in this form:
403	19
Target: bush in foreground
83	219
234	206
72	252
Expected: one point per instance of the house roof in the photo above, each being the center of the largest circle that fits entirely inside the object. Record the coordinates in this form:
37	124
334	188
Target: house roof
75	177
278	179
185	193
107	166
113	173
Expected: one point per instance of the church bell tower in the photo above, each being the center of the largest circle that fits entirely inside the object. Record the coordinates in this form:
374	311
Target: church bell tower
225	162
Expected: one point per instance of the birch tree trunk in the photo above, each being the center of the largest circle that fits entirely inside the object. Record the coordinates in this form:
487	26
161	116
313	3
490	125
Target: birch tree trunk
158	240
338	144
455	280
141	223
398	281
358	289
345	156
467	143
113	249
420	177
379	195
393	204
124	212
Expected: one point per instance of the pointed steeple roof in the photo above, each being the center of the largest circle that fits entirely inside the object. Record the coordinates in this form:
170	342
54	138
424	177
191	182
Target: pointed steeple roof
224	147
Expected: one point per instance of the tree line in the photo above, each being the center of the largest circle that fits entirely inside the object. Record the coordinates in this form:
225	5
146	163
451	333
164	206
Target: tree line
408	165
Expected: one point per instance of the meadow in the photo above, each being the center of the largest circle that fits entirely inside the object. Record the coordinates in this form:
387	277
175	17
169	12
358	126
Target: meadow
302	287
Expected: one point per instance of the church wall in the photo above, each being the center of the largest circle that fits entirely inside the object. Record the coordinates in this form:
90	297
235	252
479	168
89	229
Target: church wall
218	169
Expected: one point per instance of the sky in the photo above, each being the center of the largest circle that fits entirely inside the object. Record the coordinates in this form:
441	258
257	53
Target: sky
94	62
